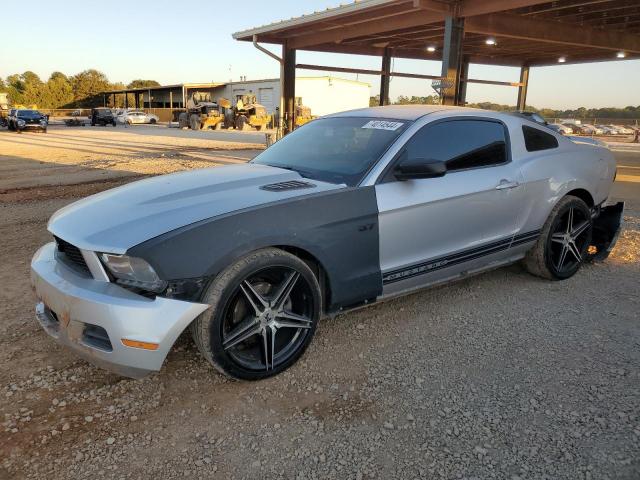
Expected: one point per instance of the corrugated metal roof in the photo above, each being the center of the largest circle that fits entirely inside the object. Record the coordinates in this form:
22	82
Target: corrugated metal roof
312	17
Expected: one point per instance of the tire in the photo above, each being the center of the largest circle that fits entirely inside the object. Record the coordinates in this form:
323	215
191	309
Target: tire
241	121
114	123
152	121
265	272
546	258
194	122
183	120
258	127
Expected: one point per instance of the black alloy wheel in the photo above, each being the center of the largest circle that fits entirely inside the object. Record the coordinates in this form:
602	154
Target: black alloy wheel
267	319
264	312
569	240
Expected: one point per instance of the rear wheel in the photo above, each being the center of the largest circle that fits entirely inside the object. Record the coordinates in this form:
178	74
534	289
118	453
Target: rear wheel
563	242
152	121
264	312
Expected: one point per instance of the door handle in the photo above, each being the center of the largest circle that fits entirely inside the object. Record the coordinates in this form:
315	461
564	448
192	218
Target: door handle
507	184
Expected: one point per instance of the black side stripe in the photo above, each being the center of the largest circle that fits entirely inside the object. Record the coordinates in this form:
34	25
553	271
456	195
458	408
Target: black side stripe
460	257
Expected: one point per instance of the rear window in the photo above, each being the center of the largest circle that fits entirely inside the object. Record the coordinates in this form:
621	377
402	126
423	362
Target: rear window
536	140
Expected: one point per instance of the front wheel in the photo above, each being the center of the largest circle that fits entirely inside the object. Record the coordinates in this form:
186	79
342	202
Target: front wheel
562	246
264	312
152	121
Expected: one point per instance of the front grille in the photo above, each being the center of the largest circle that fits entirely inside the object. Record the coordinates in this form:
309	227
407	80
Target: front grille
96	337
72	254
290	185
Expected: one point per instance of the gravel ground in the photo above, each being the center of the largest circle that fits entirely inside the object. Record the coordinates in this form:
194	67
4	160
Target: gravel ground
503	375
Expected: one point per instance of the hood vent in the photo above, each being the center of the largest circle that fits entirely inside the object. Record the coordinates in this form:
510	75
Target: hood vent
290	185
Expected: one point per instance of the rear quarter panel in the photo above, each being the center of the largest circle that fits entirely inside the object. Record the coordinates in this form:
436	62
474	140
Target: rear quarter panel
549	175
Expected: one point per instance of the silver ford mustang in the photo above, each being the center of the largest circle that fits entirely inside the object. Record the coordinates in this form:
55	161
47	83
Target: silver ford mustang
346	211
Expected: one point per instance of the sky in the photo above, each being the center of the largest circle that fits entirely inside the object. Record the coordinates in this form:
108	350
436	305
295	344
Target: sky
190	41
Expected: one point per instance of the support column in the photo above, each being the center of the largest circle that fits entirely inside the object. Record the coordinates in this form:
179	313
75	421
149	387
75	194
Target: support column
104	100
171	100
522	89
126	100
288	78
149	99
114	100
385	78
452	59
464	75
136	97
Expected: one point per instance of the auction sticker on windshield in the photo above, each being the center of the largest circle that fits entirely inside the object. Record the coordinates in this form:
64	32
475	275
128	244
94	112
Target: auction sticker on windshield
383	125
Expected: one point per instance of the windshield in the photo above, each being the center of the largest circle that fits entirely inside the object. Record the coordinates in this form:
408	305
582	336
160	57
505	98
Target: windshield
335	150
29	114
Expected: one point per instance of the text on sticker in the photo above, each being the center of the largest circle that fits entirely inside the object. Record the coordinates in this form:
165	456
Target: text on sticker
383	125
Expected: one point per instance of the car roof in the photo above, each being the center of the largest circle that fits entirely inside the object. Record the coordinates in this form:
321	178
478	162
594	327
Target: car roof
414	112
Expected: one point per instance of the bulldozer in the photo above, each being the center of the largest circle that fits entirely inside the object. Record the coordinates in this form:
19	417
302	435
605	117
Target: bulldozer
246	112
4	108
303	114
203	113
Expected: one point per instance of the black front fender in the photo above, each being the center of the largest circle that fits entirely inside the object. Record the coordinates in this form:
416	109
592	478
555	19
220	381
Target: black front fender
339	228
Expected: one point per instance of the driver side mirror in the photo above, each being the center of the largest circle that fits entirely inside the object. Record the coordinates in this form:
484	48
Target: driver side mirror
415	168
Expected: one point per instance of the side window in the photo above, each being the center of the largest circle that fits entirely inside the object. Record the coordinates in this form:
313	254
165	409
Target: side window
461	144
535	139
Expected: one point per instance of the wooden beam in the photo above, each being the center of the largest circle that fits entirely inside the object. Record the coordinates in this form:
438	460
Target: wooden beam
492	82
361	71
548	31
416	75
433	6
563	6
470	8
576	59
373	27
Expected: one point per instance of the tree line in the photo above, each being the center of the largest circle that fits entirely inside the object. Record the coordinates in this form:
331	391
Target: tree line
630	112
82	90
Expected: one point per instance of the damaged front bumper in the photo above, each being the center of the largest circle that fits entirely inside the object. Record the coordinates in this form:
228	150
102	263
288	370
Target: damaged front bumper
607	225
94	318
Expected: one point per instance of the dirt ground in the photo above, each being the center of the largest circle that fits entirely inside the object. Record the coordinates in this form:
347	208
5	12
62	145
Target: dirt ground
499	376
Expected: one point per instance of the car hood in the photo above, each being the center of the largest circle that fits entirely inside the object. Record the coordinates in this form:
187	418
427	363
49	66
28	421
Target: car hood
116	220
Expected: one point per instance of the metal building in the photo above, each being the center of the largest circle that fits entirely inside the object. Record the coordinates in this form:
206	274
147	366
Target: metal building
323	95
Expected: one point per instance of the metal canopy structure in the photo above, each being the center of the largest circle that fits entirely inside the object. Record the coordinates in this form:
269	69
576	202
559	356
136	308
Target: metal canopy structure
171	95
522	33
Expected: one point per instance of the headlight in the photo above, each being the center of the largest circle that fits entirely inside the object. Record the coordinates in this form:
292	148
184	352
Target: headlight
43	121
133	272
21	123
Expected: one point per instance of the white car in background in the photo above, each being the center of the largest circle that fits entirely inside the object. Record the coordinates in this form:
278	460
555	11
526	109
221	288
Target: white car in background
137	116
562	129
608	129
623	130
591	129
